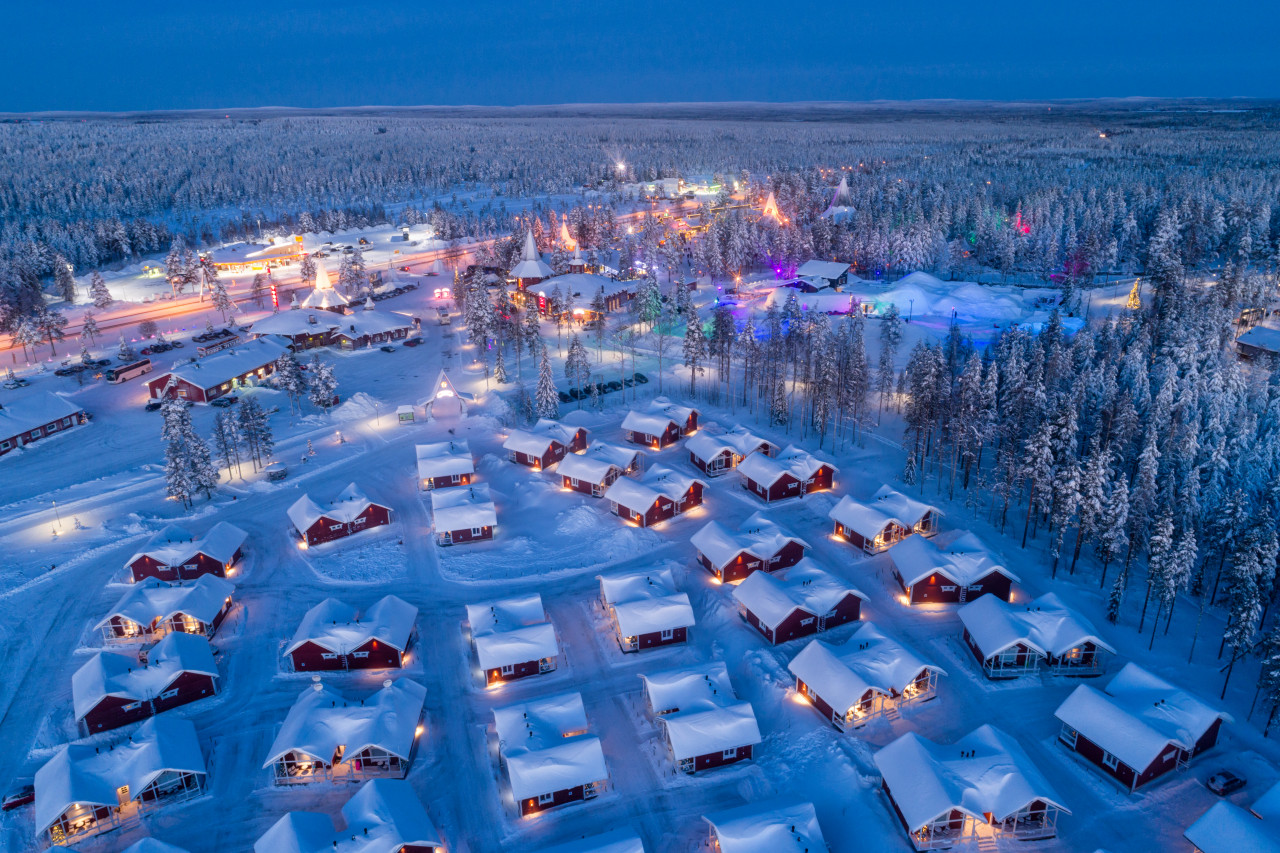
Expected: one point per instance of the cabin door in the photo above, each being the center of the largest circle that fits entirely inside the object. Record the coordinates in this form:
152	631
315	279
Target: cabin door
447	539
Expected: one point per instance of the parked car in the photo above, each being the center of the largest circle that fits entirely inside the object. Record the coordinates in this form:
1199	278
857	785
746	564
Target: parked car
154	405
565	398
641	378
175	344
17	382
145	351
101	362
387	348
629	382
614	385
413	342
1225	782
223	402
21	793
64	371
404	269
276	471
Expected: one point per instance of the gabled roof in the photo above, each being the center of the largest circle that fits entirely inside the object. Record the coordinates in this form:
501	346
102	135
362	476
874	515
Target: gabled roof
738	441
91	774
546	747
511	631
463	508
648	423
645	601
349	505
805	586
335	626
822	269
323	295
758	535
34	411
767	470
928	780
959	555
444	459
1267	806
594	464
869	660
530	443
444	388
1137	716
563	433
663	406
322	719
383	816
695	688
866	521
712	730
618	841
530	264
1227	828
1045	625
372	322
894	503
214	370
768	827
174	546
293	323
124	676
658	481
152	845
151	599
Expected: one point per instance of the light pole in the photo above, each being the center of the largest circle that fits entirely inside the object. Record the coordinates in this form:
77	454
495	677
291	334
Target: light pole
57	514
911	306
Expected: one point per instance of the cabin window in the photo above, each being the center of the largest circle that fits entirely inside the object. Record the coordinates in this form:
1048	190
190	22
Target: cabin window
35	433
360	655
335	526
476	531
509	669
948	589
668	633
66	422
975	587
169	694
543	799
732	752
132	706
4	445
573	481
1110	761
53	427
1068	736
328	656
808	621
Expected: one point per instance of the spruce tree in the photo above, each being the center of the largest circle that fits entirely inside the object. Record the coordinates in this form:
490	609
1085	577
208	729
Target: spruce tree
89	327
546	403
63	279
577	366
321	384
695	352
98	290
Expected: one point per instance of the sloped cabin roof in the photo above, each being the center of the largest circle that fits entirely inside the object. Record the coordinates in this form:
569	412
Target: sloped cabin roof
322	719
805	586
124	676
960	555
1045	625
768	827
759	535
336	626
153	599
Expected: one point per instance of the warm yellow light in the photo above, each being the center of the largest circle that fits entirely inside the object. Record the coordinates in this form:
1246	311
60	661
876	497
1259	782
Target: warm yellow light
902	599
800	698
419	730
303	544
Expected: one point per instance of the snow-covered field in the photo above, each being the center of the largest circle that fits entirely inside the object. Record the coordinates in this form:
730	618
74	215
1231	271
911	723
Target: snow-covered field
107	482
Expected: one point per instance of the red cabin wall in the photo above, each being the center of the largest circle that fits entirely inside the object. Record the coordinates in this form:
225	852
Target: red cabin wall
654	640
323	529
110	714
716	759
530	806
848	610
447	482
522	670
202	564
309	657
926	592
190	686
457	537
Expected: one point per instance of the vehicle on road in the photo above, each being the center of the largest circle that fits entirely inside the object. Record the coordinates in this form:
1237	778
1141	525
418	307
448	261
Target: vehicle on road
387	349
641	378
276	471
154	405
125	372
21	793
413	342
223	402
404	269
1225	782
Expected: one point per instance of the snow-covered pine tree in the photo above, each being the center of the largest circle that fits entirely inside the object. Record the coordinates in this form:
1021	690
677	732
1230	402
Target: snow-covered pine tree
695	352
1113	537
1244	606
258	289
321	384
51	324
307	271
221	299
289	379
1160	570
1037	472
599	321
779	413
1269	676
546	400
89	327
577	366
63	280
890	338
226	440
649	302
98	290
500	368
256	428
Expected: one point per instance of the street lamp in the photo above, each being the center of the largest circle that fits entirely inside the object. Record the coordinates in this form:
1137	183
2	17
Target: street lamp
57	514
911	305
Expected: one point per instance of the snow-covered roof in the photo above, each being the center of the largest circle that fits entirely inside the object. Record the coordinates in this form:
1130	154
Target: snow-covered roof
35	411
1264	336
648	423
768	827
444	388
758	535
511	631
805	586
562	433
174	546
372	322
463	508
894	503
594	464
546	745
1267	806
151	599
694	688
867	521
91	774
1227	828
296	322
444	459
214	370
1137	715
681	414
528	443
322	720
124	676
618	841
1045	625
830	270
530	264
244	253
658	481
384	816
713	730
335	625
960	555
706	446
928	780
645	601
870	660
767	470
349	505
152	845
581	288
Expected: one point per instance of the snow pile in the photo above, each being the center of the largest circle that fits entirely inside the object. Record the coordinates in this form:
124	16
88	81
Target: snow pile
358	407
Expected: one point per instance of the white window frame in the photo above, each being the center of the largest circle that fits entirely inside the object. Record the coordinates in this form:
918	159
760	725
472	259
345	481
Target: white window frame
328	656
544	799
508	669
132	706
1109	761
477	531
731	752
169	694
808	621
360	655
668	633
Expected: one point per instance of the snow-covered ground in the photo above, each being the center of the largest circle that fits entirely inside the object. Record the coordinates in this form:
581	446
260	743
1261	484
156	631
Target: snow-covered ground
106	480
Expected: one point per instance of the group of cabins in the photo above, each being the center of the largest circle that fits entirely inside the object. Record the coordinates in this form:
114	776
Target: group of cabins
704	723
549	754
36	417
1228	828
646	609
383	816
211	377
327	736
333	636
462	510
351	512
306	329
178	598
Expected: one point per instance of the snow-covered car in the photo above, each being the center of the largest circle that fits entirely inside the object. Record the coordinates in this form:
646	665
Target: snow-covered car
413	342
1225	782
222	402
153	405
175	344
23	792
387	349
276	472
641	378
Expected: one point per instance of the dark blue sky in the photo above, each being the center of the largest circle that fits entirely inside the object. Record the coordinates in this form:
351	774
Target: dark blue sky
138	54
